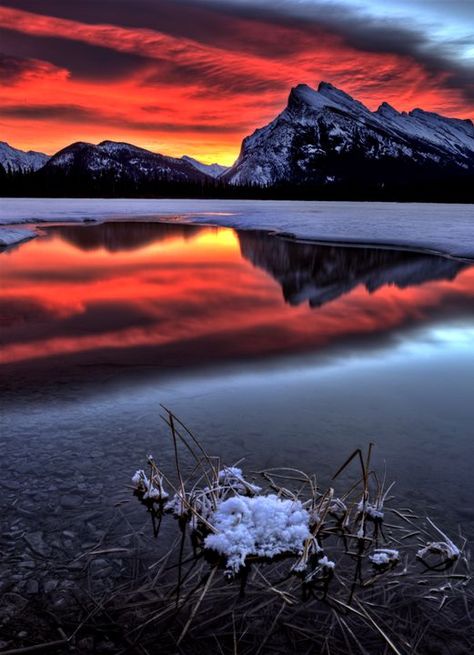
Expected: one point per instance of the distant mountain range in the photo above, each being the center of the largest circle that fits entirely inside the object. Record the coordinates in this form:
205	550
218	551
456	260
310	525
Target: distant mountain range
213	170
19	160
323	144
121	161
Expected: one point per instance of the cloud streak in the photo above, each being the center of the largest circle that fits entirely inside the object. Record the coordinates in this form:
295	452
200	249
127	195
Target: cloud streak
198	86
366	32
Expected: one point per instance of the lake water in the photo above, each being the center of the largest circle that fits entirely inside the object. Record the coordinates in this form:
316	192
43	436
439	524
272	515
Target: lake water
282	353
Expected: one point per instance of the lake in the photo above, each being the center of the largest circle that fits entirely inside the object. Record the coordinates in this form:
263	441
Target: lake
281	352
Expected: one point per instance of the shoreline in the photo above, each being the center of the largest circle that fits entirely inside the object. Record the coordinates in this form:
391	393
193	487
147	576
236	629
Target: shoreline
22	224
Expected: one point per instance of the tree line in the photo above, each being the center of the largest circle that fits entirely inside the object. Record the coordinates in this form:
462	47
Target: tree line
368	185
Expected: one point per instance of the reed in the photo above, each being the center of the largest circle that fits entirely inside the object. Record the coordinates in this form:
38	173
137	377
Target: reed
348	572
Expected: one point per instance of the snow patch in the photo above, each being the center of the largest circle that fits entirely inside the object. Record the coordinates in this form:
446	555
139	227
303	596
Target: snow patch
263	526
383	557
10	236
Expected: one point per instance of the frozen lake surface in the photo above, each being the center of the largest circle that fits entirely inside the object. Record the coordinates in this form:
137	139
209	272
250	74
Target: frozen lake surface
438	227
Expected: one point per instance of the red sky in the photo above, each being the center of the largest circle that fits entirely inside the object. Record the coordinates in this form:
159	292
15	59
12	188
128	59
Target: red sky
190	80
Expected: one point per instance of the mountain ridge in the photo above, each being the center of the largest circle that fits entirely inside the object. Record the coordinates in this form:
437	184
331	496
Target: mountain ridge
214	170
324	144
121	160
317	127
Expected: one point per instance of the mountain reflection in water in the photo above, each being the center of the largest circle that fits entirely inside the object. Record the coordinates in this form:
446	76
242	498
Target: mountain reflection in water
169	295
318	274
123	236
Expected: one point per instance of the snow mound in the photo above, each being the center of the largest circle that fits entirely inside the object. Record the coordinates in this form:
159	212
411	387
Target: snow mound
263	526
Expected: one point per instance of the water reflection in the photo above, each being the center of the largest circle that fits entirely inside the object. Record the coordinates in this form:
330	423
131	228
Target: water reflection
122	236
168	295
318	274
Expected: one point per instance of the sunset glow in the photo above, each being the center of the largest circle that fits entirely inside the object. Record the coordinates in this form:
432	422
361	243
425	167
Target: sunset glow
193	87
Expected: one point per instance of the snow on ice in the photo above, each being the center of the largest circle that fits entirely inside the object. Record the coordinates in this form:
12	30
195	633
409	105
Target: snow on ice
442	228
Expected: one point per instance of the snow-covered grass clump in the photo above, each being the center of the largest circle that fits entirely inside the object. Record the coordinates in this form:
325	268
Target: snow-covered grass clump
234	520
263	526
446	550
233	477
286	540
151	488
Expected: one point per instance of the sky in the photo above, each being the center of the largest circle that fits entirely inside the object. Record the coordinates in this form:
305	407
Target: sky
196	76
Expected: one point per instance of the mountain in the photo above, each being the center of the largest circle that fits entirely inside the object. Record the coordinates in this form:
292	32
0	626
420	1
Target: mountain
19	160
326	137
324	145
120	162
318	274
213	170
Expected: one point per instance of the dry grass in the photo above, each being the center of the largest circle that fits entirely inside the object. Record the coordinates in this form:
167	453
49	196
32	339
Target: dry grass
180	602
410	605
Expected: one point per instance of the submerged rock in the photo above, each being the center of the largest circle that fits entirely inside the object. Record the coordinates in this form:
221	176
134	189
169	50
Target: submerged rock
37	544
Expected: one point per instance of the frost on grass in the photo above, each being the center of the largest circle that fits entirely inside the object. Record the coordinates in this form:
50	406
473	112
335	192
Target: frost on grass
436	553
292	545
151	488
233	477
373	511
263	526
383	557
235	522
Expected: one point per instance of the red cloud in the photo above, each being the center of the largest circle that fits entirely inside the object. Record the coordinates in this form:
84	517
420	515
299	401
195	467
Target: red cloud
163	104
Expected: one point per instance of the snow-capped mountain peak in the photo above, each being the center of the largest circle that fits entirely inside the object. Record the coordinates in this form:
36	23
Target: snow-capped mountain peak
15	159
325	136
123	162
213	170
387	111
340	98
303	96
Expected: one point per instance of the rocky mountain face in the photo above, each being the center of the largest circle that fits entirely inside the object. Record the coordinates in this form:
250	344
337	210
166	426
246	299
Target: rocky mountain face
122	162
327	137
15	160
317	274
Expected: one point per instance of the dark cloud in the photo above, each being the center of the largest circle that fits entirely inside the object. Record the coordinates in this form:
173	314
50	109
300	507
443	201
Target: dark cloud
364	32
216	22
14	69
78	114
206	24
40	112
209	78
171	16
82	60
